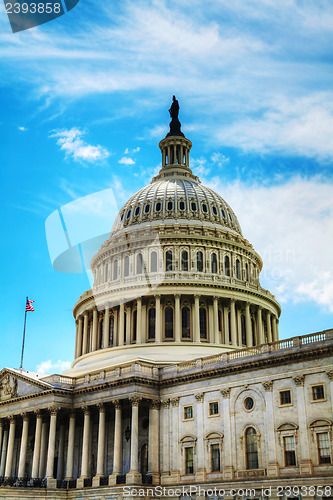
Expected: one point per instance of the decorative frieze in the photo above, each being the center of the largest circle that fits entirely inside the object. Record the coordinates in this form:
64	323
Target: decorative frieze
299	380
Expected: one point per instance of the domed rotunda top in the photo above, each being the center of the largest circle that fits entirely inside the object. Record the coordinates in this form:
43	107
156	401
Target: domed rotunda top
176	280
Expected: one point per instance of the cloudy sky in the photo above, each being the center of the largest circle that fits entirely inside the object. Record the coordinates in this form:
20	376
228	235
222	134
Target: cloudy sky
84	103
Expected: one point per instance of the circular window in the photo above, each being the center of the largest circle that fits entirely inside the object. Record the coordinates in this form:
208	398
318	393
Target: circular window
145	423
204	208
249	404
137	211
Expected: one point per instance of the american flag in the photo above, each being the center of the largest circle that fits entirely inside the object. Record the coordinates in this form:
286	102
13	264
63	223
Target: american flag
28	306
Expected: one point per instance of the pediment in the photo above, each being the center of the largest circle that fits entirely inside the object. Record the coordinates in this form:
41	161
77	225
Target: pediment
14	384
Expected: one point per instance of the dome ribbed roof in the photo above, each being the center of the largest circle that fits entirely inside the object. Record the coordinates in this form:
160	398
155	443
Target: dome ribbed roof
178	199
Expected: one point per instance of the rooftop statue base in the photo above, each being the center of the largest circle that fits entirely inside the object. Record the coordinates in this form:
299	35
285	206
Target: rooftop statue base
175	128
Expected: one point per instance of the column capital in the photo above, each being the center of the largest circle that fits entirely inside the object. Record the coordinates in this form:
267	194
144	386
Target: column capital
86	314
165	403
260	308
232	301
116	403
11	419
38	413
154	404
157	296
101	407
329	373
177	296
85	409
53	410
299	380
25	416
72	414
216	298
226	392
76	322
139	299
175	401
268	385
197	297
135	401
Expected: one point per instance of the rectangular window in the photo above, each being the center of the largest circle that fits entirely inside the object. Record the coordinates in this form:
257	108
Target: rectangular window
285	398
215	453
318	392
189	461
188	412
324	448
214	408
289	451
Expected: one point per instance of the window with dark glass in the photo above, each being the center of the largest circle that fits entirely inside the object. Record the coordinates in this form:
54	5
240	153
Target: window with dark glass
128	214
220	320
251	440
189	469
203	322
137	211
122	216
158	206
214	210
318	392
106	272
126	266
238	272
200	262
243	329
139	264
181	205
215	454
324	452
285	398
151	322
153	262
227	265
223	213
169	323
125	328
246	272
214	408
230	216
134	324
184	259
186	333
249	403
214	263
168	261
101	334
147	208
204	208
193	206
188	412
289	451
111	330
169	205
115	269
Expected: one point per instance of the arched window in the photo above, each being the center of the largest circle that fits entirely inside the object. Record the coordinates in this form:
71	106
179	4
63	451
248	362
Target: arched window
126	266
227	265
229	325
134	324
139	264
238	273
246	272
151	322
168	323
203	322
168	261
106	275
101	334
184	260
115	269
200	262
153	262
186	325
251	440
111	330
137	211
253	327
243	330
220	320
214	263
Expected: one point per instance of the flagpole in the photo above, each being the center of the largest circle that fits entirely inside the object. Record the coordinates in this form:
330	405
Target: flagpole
25	322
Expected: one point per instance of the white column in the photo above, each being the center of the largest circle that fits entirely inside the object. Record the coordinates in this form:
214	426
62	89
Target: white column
101	442
117	444
178	324
106	328
211	327
144	323
76	338
128	324
216	320
228	470
1	432
23	447
115	326
139	321
4	452
10	448
85	444
133	477
201	471
79	339
239	327
329	373
273	466
196	319
153	441
43	450
226	325
174	438
269	327
260	326
35	459
121	325
51	446
70	447
94	330
233	322
158	330
248	326
305	465
61	451
165	438
85	333
274	328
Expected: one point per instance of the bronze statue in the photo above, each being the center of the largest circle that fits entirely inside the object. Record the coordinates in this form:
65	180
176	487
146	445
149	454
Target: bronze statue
174	109
175	123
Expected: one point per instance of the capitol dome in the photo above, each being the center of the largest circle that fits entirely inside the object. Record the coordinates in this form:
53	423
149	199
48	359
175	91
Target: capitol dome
176	280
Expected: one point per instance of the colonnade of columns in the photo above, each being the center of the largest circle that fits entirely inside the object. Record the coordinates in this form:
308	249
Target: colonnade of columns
49	441
216	320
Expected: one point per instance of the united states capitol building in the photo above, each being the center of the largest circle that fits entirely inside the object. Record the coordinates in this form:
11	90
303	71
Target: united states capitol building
179	377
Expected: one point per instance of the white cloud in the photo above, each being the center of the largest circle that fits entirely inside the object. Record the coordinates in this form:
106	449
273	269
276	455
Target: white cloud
22	129
126	161
49	367
71	142
291	226
219	159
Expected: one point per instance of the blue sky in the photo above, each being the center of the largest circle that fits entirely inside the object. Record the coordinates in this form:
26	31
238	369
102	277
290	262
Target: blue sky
84	103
